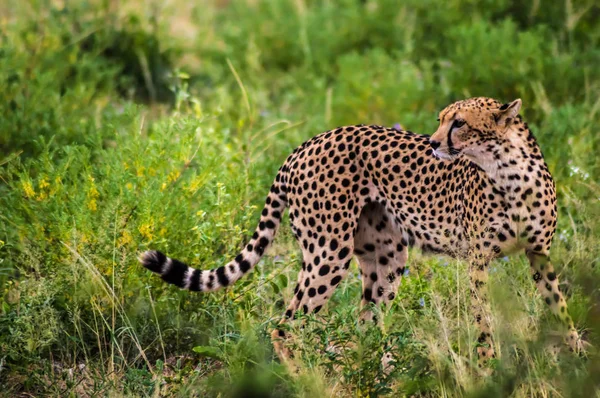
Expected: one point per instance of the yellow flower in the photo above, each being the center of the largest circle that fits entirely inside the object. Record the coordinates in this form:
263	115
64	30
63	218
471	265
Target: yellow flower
92	195
129	186
124	239
146	230
173	176
197	183
43	183
28	189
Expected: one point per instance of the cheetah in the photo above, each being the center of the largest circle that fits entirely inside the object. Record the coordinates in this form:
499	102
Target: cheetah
477	189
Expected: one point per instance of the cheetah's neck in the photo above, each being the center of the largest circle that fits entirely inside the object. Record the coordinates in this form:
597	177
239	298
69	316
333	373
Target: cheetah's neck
514	163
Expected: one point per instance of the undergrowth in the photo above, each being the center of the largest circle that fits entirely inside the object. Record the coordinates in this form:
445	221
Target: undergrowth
134	125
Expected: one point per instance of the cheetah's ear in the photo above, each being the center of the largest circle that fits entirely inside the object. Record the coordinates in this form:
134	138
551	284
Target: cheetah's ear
507	112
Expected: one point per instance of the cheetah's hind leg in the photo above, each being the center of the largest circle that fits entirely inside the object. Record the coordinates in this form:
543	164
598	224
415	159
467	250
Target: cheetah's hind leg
382	256
323	268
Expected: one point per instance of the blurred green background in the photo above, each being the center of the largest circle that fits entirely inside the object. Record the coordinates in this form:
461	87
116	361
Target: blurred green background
128	125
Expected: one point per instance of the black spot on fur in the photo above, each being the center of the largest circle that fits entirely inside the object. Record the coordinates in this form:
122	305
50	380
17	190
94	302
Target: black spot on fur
221	277
244	266
176	273
343	253
195	281
324	270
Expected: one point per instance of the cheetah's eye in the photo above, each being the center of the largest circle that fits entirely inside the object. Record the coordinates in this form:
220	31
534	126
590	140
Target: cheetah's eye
458	123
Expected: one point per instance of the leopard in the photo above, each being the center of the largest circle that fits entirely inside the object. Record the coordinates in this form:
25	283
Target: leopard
476	190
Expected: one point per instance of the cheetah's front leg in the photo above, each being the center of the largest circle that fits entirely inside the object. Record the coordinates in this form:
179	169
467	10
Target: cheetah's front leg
478	276
547	283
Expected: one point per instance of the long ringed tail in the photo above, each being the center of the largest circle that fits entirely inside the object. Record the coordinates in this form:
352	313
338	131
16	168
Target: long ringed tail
182	275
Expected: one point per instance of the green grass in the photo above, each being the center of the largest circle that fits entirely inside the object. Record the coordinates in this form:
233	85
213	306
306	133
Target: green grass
134	125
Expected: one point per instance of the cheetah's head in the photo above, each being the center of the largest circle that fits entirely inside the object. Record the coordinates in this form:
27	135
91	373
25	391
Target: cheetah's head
469	127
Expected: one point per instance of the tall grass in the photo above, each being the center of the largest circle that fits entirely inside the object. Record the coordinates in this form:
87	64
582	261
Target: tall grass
136	125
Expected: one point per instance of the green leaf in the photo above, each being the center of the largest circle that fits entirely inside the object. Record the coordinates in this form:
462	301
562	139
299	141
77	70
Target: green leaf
207	351
274	286
283	280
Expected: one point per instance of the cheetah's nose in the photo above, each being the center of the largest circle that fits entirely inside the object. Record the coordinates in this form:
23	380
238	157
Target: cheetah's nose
435	144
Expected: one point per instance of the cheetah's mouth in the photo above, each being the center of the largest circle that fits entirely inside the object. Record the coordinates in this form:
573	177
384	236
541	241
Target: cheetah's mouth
452	151
446	156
